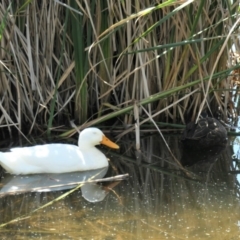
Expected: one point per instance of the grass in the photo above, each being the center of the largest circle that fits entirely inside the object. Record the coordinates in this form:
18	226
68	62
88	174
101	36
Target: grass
92	61
117	63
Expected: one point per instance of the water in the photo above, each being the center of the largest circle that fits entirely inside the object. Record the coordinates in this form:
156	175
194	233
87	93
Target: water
157	201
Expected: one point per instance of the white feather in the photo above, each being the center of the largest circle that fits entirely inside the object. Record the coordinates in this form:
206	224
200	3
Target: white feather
57	158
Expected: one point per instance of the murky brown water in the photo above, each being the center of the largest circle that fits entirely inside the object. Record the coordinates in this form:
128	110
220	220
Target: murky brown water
156	202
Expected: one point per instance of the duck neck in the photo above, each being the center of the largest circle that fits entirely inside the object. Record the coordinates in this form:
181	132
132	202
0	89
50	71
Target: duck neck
85	146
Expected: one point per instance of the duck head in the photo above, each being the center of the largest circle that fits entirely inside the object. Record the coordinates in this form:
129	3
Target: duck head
90	137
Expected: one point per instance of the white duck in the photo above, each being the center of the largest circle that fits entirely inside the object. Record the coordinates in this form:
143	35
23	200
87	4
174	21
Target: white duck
59	158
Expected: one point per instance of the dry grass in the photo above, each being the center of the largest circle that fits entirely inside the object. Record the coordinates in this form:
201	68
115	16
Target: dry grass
58	65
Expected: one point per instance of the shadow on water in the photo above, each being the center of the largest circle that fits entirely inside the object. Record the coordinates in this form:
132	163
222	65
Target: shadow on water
158	201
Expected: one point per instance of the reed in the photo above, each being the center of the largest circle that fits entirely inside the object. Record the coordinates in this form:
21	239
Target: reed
92	61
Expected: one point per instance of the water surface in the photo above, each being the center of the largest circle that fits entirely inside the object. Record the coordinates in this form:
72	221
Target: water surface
158	201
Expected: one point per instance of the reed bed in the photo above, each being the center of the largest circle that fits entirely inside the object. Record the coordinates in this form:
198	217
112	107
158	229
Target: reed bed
96	62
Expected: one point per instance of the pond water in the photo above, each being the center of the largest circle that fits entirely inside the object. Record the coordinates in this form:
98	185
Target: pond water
157	201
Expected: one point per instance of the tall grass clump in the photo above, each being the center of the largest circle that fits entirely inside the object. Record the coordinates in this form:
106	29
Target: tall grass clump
93	61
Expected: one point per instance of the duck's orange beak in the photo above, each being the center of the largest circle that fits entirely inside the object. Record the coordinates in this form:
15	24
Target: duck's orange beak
109	143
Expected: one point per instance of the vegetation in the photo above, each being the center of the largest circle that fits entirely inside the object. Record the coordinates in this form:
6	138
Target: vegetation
93	61
122	63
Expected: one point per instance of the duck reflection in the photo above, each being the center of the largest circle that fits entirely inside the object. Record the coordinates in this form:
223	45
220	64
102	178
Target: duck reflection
14	184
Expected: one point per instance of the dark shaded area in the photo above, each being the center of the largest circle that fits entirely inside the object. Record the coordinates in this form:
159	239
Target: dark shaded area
203	141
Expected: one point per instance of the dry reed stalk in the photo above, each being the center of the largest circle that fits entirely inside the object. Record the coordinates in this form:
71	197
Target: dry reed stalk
129	52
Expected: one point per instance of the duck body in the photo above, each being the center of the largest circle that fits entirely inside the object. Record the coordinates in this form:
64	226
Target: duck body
203	141
58	158
207	132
